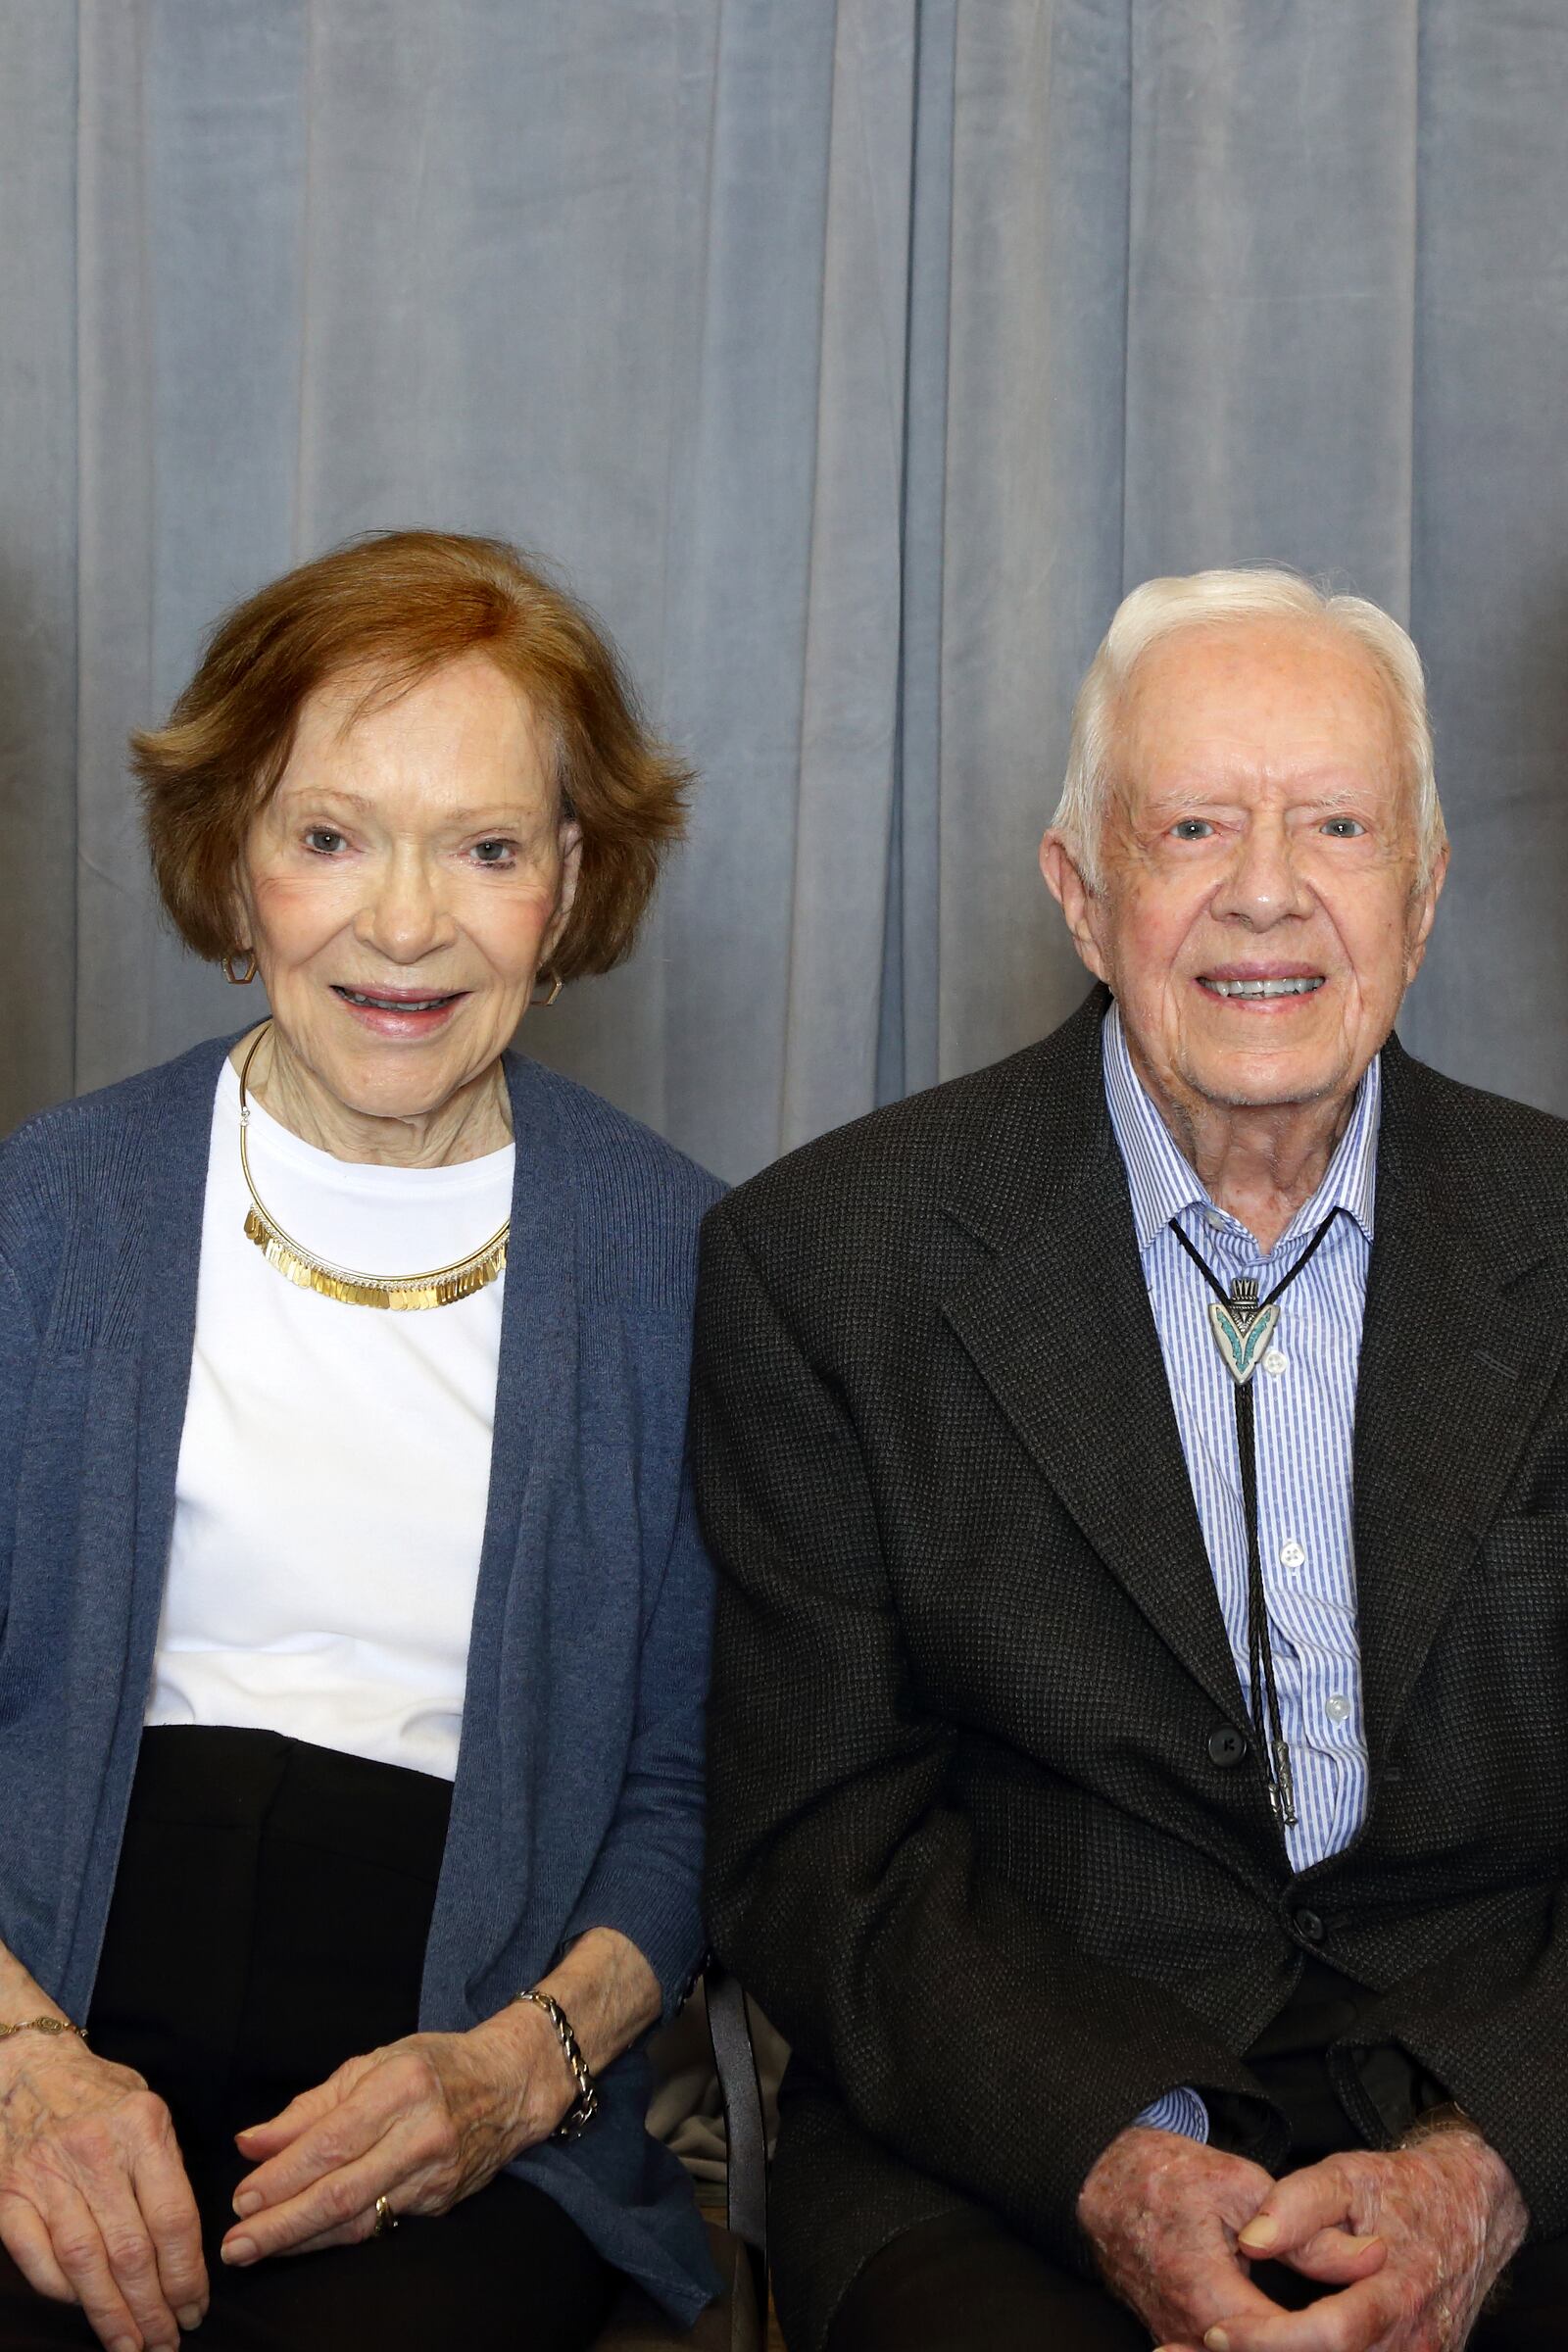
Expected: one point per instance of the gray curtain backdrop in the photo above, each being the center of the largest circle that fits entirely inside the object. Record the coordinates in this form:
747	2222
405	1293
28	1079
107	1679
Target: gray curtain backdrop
852	360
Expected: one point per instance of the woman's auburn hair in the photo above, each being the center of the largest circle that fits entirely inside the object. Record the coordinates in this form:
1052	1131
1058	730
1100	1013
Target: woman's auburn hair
396	605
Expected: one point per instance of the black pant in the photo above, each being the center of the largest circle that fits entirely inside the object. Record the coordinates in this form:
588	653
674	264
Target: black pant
966	2283
270	1920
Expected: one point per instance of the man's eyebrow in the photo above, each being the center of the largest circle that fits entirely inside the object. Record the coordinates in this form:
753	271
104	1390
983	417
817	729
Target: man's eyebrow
1209	795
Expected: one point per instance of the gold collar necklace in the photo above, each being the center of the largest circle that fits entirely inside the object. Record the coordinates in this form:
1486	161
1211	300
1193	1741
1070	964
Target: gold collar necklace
400	1292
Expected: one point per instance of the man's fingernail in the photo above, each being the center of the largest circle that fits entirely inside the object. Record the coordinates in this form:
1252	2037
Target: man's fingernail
1360	2245
1217	2340
192	2316
238	2249
249	2201
1261	2233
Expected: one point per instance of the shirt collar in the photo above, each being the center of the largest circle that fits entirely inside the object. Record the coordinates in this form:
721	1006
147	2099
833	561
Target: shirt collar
1161	1185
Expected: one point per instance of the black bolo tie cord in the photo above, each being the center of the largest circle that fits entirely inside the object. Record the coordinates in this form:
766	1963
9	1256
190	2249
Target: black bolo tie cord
1268	1728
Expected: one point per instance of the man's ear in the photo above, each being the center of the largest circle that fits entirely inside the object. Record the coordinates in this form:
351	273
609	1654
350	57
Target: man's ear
1073	896
1427	905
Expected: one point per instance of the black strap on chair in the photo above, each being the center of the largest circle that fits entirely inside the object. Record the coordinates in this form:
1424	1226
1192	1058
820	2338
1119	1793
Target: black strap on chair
746	2186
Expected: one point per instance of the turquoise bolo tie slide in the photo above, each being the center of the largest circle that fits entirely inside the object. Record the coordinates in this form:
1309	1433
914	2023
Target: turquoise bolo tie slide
1242	1328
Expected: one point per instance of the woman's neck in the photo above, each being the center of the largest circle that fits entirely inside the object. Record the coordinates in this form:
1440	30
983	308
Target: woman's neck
473	1121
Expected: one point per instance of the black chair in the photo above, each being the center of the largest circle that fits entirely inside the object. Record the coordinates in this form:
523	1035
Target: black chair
738	2321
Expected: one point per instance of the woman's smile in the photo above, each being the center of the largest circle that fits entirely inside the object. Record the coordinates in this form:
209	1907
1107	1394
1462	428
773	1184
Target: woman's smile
399	1012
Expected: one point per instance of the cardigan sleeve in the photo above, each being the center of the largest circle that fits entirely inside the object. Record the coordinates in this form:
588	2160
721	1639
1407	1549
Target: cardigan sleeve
647	1878
18	1348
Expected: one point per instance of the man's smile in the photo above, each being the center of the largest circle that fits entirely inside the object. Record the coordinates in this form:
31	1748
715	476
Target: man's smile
1261	990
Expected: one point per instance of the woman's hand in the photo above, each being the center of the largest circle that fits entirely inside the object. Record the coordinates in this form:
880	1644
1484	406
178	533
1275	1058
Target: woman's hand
424	2123
94	2204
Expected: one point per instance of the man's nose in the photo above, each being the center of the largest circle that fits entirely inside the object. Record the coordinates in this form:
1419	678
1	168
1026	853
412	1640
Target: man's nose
1261	884
403	916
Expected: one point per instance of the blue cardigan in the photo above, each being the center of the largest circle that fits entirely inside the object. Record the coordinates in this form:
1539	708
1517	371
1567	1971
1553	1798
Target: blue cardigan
578	1793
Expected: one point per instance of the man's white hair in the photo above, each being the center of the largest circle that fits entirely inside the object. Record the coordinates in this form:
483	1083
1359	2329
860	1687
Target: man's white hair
1159	607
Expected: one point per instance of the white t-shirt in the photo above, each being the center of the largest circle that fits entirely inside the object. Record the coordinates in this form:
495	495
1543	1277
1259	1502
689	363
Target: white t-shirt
330	1499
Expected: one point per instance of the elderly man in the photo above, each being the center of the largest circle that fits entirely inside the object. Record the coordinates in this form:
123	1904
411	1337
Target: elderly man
1139	1474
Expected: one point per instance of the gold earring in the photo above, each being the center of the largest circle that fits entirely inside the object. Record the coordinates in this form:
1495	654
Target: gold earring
240	979
555	991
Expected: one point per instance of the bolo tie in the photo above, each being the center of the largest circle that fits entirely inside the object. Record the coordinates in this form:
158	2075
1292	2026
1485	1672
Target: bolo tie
1243	1324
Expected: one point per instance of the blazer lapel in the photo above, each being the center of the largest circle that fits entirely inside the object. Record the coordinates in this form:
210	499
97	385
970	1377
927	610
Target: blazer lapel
1466	1322
1060	1327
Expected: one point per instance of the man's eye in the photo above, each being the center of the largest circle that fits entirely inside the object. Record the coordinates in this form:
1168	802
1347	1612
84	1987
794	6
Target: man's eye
1344	828
494	853
324	841
1191	828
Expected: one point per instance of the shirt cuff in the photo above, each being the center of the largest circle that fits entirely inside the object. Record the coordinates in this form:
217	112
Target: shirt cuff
1180	2109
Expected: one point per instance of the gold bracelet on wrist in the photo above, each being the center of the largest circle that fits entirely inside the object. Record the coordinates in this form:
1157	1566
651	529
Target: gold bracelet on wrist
43	2025
585	2106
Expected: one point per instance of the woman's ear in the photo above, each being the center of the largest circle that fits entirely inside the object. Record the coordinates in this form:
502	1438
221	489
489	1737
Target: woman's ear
571	849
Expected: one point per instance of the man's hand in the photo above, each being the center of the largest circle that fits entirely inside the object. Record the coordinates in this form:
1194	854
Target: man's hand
1164	2214
1449	2213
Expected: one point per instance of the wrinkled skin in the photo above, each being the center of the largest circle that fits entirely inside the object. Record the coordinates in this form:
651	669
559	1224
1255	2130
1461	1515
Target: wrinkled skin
1413	2241
423	2123
94	2204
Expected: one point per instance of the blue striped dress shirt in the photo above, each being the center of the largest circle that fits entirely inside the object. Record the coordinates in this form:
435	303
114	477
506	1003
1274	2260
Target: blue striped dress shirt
1305	1406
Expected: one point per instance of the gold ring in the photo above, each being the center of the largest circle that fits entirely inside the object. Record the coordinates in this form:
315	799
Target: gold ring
385	2217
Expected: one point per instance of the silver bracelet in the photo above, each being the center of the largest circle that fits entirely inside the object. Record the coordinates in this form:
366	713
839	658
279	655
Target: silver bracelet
585	2106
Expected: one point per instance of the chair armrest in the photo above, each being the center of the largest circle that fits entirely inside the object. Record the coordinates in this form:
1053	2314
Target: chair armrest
746	2174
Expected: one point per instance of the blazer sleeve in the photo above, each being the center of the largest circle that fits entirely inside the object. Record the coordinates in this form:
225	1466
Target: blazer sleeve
646	1877
958	2028
1492	2036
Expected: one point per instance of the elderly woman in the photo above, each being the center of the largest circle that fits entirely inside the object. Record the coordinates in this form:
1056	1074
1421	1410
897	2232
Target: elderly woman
355	1620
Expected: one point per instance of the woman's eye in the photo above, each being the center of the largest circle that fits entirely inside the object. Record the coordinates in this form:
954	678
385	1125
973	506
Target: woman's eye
494	853
1191	828
324	841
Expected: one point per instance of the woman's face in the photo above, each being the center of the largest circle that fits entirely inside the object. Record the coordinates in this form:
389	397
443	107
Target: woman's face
403	885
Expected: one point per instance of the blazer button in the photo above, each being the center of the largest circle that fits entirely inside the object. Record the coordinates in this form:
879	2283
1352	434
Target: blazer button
1226	1747
1309	1927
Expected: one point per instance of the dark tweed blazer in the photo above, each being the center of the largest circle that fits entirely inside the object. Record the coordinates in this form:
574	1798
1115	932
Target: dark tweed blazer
972	1842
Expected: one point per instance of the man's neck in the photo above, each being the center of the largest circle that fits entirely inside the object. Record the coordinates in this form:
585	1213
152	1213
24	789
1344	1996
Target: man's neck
1259	1164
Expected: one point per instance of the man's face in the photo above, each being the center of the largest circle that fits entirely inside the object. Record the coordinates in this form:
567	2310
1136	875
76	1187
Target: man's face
1261	915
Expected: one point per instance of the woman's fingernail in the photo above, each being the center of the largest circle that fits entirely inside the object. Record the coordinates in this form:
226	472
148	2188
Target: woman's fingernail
1360	2245
238	2249
249	2201
1217	2340
192	2316
1261	2233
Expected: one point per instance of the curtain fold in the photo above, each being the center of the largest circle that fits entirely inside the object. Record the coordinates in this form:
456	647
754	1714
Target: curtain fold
851	358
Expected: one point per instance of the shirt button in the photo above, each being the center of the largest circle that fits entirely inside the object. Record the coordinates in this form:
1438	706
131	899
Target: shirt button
1226	1747
1337	1709
1217	1218
1309	1927
1275	1362
1291	1555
